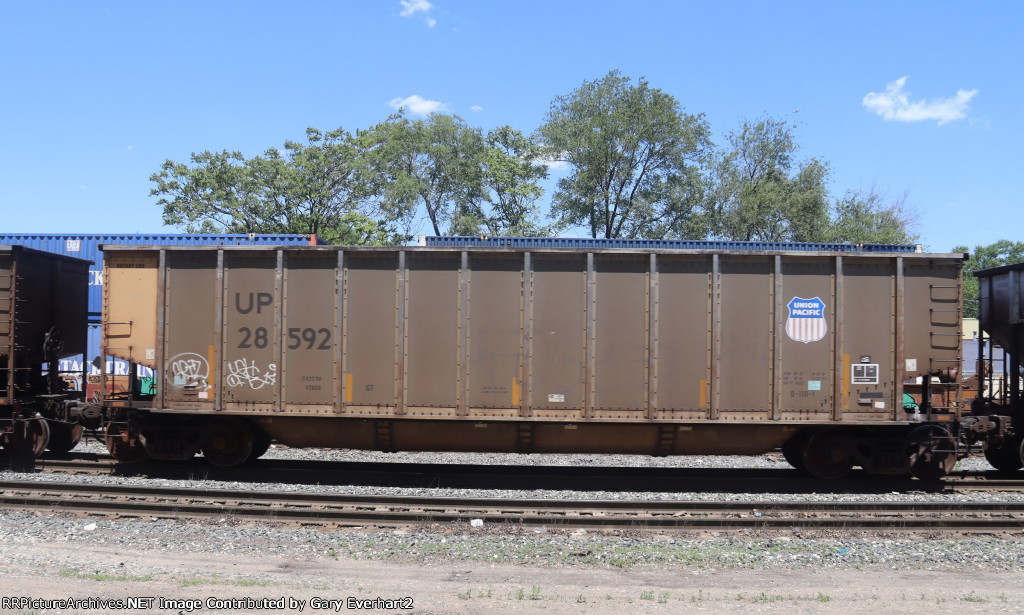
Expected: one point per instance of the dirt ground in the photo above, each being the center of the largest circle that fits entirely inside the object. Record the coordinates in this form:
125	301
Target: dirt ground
49	571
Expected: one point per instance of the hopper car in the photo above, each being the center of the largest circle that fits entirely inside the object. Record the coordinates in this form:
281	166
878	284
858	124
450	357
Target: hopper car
842	359
43	310
1001	321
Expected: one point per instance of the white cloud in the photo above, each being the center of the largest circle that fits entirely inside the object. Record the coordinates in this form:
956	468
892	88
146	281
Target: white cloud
417	105
411	7
554	165
476	108
895	104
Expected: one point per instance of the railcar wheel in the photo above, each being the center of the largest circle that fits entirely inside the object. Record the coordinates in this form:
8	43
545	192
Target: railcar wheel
28	439
932	452
260	444
122	446
793	451
1008	457
828	454
54	341
63	436
228	442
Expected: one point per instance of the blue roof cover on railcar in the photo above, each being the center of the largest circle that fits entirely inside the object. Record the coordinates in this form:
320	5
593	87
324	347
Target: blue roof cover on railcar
657	244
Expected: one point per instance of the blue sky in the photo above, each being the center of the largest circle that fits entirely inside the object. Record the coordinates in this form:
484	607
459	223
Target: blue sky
922	97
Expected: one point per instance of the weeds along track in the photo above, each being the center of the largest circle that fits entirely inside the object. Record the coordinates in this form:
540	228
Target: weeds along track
297	509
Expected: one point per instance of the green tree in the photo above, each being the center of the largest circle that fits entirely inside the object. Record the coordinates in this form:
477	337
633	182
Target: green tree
429	163
863	217
636	158
511	176
761	193
1002	252
317	187
462	182
211	195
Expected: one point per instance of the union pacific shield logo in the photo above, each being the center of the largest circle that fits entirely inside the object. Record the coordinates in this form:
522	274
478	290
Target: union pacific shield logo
806	322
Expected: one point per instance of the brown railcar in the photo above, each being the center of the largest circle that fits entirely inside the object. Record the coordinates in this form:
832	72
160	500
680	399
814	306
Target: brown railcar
539	350
1001	316
43	308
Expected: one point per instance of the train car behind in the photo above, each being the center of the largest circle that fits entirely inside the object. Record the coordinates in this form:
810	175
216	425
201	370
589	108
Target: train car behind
1001	318
43	315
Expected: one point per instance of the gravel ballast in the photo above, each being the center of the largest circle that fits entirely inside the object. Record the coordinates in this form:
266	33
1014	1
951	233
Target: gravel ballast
499	568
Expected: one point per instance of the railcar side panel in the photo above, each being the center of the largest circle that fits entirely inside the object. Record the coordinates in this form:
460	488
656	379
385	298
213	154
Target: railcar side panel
621	339
192	306
563	335
433	327
558	349
495	339
745	332
865	363
932	316
683	313
311	334
805	316
373	376
130	316
251	334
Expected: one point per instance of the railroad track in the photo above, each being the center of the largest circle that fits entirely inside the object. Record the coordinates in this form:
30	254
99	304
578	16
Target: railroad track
557	477
298	509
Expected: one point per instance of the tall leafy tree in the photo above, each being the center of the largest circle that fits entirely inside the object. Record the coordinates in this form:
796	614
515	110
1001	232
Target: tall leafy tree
210	195
314	187
1002	252
460	181
511	176
636	159
762	193
864	217
430	166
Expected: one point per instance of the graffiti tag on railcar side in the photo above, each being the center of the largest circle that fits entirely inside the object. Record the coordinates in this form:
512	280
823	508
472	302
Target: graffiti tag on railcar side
243	373
189	370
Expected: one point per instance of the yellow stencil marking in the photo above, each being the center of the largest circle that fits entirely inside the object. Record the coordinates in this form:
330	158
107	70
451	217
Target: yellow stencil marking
703	393
515	391
348	388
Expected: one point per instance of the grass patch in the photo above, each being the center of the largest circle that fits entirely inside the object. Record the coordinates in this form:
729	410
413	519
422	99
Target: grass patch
99	576
235	582
973	597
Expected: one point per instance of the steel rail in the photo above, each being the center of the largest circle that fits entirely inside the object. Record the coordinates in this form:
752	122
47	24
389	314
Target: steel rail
297	508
